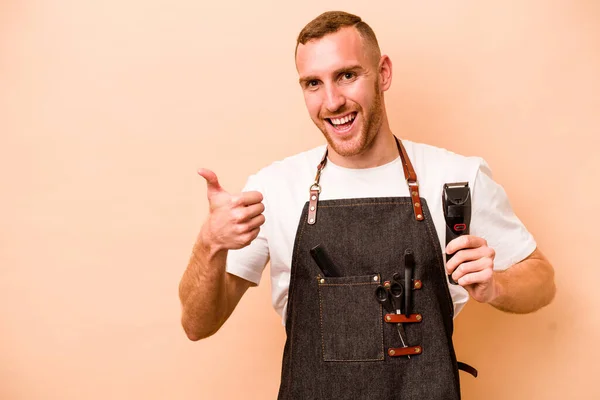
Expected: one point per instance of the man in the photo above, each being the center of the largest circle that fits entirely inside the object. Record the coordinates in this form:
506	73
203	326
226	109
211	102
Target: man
373	204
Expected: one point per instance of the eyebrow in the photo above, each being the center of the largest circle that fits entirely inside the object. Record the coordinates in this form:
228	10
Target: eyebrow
352	68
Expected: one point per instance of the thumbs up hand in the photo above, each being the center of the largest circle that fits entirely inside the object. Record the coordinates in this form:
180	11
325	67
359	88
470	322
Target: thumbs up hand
234	220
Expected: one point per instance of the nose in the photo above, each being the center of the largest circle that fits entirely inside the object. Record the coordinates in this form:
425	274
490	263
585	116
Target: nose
334	99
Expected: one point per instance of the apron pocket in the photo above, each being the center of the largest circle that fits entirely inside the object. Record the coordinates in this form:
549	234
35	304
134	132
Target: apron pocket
351	318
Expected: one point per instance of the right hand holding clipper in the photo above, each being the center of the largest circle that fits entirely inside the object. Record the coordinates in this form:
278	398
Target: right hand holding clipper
234	220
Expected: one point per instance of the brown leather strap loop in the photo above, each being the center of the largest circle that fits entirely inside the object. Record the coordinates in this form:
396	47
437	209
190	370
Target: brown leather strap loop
402	319
404	351
315	189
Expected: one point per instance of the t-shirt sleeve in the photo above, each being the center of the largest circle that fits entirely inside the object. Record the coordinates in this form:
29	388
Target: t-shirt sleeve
249	262
494	220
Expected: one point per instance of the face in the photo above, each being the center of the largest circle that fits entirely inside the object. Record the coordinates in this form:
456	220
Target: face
342	90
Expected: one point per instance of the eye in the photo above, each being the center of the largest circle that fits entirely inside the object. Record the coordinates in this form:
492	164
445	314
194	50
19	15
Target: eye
312	84
348	75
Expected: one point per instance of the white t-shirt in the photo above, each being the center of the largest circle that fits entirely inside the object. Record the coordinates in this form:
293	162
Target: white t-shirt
285	187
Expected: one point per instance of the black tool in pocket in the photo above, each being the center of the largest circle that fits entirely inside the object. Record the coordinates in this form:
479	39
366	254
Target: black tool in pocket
456	202
409	266
328	268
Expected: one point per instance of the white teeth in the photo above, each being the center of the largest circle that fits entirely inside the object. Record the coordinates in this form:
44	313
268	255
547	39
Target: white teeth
346	119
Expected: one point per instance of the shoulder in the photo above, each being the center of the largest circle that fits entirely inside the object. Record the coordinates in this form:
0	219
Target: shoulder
292	167
439	156
288	175
431	162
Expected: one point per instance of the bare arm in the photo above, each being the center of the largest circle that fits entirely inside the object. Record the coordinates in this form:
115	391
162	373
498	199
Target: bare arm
523	288
207	292
526	286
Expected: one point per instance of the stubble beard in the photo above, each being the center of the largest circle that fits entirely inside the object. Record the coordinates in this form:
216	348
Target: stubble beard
362	142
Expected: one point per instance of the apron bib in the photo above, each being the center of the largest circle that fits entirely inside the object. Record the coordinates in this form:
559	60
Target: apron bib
340	342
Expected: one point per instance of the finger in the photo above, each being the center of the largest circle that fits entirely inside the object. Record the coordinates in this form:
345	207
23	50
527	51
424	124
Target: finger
212	182
252	211
249	198
469	268
464	242
250	236
482	276
241	214
256	222
462	256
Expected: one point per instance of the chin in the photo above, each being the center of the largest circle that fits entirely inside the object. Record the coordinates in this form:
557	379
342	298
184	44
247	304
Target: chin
347	148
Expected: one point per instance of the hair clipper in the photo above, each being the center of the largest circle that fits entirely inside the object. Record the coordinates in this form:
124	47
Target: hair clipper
456	202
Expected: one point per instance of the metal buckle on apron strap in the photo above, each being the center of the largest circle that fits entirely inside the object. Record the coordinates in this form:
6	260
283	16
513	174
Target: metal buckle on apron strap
315	190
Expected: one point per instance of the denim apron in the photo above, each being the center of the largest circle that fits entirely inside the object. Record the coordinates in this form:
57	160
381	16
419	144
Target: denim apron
339	344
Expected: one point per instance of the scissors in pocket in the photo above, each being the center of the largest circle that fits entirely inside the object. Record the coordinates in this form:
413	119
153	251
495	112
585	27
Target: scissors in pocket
391	299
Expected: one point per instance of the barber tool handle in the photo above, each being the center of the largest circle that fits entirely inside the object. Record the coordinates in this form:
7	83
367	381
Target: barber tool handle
456	204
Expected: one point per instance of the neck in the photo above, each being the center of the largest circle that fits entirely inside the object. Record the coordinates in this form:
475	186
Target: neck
380	151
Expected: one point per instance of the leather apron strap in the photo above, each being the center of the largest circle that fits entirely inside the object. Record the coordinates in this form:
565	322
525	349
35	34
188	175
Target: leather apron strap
409	174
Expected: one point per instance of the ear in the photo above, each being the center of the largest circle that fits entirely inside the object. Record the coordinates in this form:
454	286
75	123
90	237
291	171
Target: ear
385	73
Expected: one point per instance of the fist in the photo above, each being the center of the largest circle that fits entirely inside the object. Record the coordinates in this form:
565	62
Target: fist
473	266
234	220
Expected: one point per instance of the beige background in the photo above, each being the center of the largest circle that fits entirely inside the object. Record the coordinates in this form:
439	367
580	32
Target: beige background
107	108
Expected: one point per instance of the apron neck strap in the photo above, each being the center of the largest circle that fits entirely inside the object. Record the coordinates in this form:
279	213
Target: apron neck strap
411	181
409	174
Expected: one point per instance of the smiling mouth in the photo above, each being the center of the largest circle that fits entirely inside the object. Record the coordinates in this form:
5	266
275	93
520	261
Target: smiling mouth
342	124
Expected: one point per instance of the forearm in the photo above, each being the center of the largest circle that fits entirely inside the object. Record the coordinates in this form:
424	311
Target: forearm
526	286
202	291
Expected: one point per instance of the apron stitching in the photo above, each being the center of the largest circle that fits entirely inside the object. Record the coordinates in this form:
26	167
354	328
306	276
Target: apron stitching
367	359
441	261
362	204
381	330
348	284
321	318
292	277
294	274
452	350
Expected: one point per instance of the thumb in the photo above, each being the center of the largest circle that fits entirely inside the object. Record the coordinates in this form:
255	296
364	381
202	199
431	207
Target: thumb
212	182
